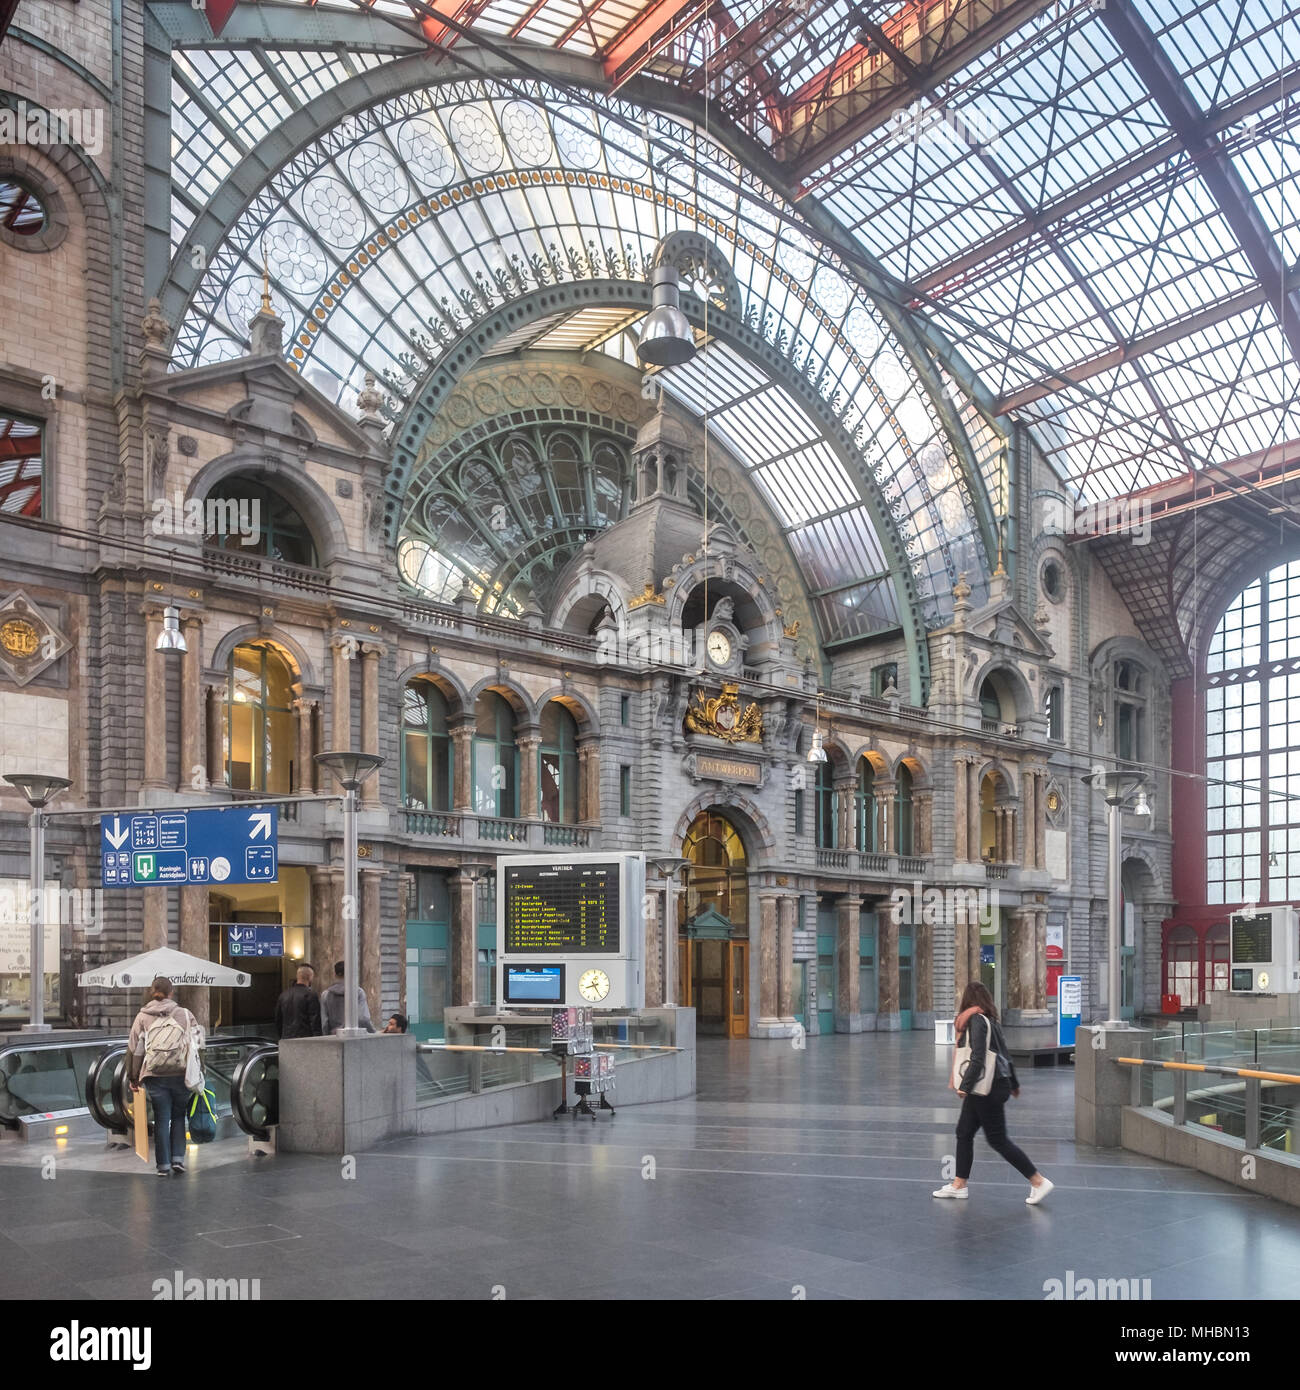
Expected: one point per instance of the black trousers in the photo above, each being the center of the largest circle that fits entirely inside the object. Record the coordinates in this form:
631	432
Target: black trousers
988	1113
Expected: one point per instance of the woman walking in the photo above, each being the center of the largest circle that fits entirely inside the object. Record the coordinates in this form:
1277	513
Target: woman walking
979	1015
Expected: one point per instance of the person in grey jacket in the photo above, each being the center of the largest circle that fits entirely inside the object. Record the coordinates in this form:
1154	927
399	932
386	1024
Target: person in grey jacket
162	1075
333	1005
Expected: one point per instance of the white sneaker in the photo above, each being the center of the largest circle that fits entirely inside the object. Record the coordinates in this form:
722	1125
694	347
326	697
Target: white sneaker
1036	1194
948	1190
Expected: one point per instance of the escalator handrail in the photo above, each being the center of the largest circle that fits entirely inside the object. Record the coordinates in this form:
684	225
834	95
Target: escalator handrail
237	1086
112	1053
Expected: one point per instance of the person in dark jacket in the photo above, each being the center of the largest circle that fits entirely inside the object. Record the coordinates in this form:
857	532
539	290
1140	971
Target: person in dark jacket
979	1014
297	1010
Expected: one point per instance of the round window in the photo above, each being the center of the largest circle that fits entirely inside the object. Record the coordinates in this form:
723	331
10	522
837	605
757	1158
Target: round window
21	211
1054	581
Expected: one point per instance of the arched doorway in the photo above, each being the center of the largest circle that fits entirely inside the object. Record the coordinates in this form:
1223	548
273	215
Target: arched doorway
713	945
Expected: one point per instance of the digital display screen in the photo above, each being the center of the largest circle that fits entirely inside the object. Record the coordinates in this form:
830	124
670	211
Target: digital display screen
1252	940
554	908
534	984
1243	979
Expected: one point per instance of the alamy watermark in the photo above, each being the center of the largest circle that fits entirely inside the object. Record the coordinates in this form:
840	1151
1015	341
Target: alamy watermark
213	516
1117	516
195	1289
33	125
943	906
1074	1288
936	125
80	908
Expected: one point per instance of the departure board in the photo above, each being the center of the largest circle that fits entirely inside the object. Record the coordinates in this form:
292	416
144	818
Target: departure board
1252	939
554	907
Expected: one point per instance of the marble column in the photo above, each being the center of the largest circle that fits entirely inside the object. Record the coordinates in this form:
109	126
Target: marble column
370	945
157	735
961	954
767	982
973	942
657	900
462	755
370	654
528	741
405	891
214	723
464	930
192	774
589	781
848	966
194	942
341	695
882	810
923	971
306	780
923	823
975	849
887	1019
1030	803
326	921
1018	961
845	831
1040	827
785	1002
153	931
961	771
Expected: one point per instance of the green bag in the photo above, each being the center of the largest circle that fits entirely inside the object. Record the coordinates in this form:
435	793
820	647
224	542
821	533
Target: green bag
203	1118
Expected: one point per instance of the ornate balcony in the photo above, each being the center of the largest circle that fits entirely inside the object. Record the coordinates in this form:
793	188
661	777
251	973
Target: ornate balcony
465	828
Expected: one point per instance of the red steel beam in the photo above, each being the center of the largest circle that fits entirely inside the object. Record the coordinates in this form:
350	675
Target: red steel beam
652	30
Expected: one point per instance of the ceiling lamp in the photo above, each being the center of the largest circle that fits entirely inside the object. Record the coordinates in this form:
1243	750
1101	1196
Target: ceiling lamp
666	338
171	638
817	754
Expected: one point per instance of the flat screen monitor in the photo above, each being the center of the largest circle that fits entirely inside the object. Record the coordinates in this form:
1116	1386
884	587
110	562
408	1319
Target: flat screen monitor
534	984
558	908
1252	939
1243	979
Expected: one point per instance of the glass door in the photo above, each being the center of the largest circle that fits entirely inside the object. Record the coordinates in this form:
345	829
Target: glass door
825	983
738	990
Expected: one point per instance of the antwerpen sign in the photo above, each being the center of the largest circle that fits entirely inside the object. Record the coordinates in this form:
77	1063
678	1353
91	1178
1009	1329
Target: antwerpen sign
723	769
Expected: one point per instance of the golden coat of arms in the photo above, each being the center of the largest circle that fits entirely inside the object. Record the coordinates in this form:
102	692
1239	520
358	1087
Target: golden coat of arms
721	716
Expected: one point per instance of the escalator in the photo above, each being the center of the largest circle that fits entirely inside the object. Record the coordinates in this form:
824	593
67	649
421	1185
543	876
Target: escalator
43	1085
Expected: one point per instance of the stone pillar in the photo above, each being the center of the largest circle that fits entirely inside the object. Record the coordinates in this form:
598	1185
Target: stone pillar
464	930
370	654
887	1019
974	847
192	773
923	823
194	942
1015	960
883	798
1030	803
973	942
923	1014
766	960
528	741
153	932
462	758
961	955
788	908
848	966
341	694
654	945
157	735
214	723
961	771
405	887
370	952
845	833
326	921
306	765
589	781
1040	825
1011	836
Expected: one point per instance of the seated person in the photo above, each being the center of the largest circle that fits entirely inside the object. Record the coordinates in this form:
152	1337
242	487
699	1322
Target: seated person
397	1023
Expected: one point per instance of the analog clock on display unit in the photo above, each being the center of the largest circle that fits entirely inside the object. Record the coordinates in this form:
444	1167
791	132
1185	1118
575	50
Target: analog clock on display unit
593	985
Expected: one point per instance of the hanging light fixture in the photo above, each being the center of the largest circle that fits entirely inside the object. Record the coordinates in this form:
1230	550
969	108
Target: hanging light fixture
171	638
817	754
666	338
1142	807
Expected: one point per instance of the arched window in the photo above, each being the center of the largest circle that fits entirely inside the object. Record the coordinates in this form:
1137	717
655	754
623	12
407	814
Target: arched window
261	725
427	753
988	816
1130	711
496	759
826	809
990	705
558	766
718	876
1055	718
864	806
903	833
244	515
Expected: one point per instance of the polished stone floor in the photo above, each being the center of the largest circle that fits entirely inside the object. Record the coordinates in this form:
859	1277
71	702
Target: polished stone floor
791	1171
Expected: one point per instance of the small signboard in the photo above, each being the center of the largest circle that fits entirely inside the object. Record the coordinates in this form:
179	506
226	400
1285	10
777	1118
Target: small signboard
255	941
1070	1012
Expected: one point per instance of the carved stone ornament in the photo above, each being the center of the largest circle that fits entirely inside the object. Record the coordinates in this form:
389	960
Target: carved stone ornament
29	642
722	716
155	328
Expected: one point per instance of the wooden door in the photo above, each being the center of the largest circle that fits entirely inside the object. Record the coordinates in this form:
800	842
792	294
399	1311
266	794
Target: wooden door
738	989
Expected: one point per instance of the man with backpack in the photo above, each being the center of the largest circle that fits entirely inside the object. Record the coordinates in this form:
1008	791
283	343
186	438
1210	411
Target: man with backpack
159	1046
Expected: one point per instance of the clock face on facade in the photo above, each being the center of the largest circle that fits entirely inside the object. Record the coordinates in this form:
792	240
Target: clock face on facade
593	985
719	648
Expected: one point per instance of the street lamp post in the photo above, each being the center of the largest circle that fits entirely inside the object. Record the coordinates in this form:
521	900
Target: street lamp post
39	791
668	868
351	769
1119	786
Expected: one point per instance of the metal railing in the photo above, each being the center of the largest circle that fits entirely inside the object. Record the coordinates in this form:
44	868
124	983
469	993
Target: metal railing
996	870
465	825
1239	1113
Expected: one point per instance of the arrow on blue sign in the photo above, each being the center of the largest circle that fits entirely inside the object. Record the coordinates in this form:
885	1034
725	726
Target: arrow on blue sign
261	823
116	836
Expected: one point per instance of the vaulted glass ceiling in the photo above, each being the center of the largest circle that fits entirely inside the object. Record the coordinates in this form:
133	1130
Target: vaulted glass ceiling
389	235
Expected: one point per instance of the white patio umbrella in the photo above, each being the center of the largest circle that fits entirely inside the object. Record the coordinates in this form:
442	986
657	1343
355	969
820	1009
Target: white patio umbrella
138	972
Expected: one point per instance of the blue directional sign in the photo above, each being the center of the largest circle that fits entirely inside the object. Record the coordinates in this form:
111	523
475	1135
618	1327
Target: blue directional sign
256	941
160	848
